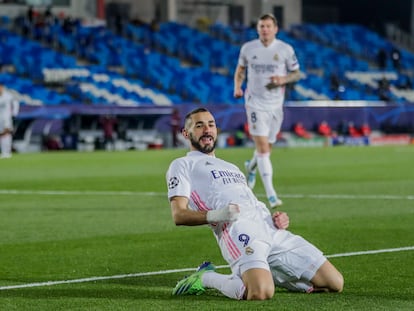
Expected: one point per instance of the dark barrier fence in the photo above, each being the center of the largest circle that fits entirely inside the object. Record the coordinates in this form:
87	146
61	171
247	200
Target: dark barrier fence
392	118
380	116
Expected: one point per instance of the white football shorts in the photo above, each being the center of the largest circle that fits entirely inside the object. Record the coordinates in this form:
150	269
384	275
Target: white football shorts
5	123
290	259
265	123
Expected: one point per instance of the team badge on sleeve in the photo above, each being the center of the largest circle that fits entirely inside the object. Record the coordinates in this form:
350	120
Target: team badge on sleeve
173	182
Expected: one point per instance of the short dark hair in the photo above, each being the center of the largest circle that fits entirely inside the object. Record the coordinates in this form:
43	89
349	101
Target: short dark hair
192	112
268	16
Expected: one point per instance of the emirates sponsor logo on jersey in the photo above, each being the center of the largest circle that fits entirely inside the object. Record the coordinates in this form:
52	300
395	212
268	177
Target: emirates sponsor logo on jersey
263	68
228	177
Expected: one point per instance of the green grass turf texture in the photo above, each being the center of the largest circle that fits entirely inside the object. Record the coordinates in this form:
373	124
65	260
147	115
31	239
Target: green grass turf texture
113	217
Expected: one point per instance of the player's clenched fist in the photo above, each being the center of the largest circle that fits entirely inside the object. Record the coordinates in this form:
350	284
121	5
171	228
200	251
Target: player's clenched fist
281	220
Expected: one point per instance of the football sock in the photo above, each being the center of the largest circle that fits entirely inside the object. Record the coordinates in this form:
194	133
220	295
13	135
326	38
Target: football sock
229	285
6	144
266	172
253	162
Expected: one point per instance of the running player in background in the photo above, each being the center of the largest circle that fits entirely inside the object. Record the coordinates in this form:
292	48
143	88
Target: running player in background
270	64
203	189
9	108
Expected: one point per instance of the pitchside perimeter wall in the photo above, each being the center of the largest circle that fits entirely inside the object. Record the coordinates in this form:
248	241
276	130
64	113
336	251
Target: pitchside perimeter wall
143	126
378	115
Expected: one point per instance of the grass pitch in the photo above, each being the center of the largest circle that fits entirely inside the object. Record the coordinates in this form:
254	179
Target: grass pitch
98	227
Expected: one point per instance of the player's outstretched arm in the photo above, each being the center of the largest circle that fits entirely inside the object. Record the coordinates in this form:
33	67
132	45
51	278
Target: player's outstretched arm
183	216
239	77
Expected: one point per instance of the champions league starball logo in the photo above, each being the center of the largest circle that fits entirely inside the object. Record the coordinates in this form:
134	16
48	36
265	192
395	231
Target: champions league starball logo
173	182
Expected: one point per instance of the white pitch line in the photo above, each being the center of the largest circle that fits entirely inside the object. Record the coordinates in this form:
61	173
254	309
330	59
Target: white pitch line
76	192
350	196
149	193
123	276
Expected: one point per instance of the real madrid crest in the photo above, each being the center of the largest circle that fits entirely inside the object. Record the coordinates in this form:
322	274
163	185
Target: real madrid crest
276	57
248	250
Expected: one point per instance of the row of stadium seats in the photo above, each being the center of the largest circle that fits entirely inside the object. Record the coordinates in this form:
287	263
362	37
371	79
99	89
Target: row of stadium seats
179	64
313	56
29	93
38	63
355	40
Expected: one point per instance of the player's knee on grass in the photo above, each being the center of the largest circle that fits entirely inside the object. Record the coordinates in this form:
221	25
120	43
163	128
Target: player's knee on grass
329	278
259	284
337	284
260	293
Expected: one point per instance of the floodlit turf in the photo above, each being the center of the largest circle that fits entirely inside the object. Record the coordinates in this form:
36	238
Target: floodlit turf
73	216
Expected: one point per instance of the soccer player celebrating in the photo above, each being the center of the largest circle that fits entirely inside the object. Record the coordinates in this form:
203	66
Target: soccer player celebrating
270	64
203	189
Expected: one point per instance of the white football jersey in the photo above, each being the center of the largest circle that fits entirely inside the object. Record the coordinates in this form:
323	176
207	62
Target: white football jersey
263	62
211	183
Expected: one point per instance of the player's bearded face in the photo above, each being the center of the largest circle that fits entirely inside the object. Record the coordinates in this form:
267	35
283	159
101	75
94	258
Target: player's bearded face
205	143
